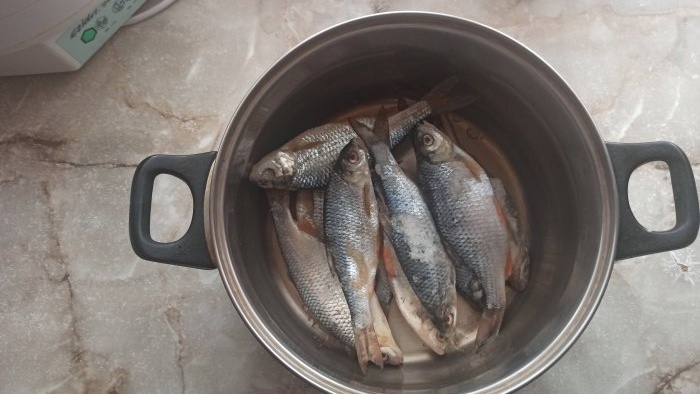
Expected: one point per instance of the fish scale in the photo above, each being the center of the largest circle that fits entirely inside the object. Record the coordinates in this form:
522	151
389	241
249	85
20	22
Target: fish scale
315	164
415	239
308	268
411	229
468	222
351	232
307	160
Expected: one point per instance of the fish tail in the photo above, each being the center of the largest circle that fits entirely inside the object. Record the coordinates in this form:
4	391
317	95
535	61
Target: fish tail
441	100
391	353
367	348
368	137
489	326
377	140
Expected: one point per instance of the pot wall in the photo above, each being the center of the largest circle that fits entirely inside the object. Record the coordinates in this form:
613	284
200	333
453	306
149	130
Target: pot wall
528	112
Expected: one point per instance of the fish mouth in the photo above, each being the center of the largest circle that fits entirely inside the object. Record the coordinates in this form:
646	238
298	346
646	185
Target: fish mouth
274	171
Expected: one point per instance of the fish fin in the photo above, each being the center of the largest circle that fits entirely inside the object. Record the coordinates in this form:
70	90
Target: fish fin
384	221
305	225
473	292
305	213
367	136
331	263
517	268
367	197
441	101
382	282
391	353
472	165
521	266
367	348
381	126
489	326
379	150
509	265
389	257
501	194
502	215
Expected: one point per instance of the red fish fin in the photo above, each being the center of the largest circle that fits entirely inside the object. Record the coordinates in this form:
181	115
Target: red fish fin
521	267
368	197
304	205
389	257
509	265
501	212
305	225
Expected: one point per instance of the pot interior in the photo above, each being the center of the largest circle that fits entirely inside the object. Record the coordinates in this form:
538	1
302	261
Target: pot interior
527	128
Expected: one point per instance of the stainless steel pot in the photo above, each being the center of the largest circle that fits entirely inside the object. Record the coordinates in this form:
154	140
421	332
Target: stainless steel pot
574	188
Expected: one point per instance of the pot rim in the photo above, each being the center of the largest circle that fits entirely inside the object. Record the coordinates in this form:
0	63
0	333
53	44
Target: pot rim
218	239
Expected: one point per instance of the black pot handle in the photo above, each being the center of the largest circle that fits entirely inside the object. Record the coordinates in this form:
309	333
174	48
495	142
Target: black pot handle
190	250
633	239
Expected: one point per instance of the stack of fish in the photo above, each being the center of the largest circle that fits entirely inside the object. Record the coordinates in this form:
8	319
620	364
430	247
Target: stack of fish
367	231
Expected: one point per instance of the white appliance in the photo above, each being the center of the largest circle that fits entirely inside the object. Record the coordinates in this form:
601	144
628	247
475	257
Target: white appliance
45	36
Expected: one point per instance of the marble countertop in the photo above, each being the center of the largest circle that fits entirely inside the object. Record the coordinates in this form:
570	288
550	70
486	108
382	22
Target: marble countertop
79	312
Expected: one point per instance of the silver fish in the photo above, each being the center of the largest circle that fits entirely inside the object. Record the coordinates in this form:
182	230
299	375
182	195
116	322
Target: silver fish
309	214
351	233
310	272
307	160
465	210
412	231
409	305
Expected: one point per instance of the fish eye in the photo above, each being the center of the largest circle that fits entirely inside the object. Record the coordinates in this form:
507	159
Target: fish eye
450	321
353	157
440	337
268	173
428	140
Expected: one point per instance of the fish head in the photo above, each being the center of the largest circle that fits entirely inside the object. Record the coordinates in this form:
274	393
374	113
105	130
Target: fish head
446	319
275	170
353	161
436	340
432	144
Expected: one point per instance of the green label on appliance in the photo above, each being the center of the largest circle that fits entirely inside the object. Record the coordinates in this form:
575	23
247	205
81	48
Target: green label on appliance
87	35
